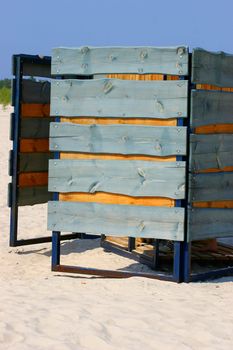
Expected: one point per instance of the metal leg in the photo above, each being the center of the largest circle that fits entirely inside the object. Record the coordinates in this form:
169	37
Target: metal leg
131	243
156	253
177	262
187	261
55	249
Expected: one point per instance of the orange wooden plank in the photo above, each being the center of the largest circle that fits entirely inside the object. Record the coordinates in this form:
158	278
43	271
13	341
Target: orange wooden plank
33	179
35	110
212	87
216	170
136	76
109	198
111	121
34	145
215	129
71	155
214	204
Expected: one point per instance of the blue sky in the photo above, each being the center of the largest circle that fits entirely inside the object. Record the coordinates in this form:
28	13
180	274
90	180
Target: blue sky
34	27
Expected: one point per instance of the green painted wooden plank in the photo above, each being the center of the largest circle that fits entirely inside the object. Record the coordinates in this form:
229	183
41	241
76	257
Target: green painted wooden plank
35	92
211	187
211	107
119	98
29	162
33	195
133	178
105	60
122	139
34	128
206	223
215	68
117	220
211	151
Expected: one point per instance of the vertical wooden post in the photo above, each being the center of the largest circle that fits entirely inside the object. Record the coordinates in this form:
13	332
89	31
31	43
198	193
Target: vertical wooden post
55	249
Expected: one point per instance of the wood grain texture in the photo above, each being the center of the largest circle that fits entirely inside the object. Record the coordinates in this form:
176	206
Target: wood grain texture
107	60
34	128
211	152
117	220
132	76
211	107
34	162
33	179
113	198
214	68
212	87
110	121
35	92
211	187
209	223
35	110
119	98
126	139
133	178
214	129
34	145
214	204
33	195
36	70
111	156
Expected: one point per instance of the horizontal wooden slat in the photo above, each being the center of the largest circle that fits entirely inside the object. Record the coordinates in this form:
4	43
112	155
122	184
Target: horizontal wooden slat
117	220
214	68
211	187
211	152
119	98
37	69
34	162
107	60
110	121
35	91
113	198
33	195
133	76
211	107
33	179
35	110
133	178
210	223
214	204
34	145
126	139
111	156
212	87
34	127
215	129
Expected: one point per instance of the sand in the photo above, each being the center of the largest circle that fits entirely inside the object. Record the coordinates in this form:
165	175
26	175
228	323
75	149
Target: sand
44	310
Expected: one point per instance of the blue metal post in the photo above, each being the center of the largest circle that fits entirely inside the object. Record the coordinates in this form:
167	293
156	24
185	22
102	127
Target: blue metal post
55	249
14	192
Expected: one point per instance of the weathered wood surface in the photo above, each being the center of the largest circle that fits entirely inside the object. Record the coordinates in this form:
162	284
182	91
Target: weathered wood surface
211	186
34	128
35	110
209	223
215	68
211	107
133	178
107	60
33	195
35	92
119	98
115	198
123	139
36	70
30	162
117	220
33	179
34	145
211	152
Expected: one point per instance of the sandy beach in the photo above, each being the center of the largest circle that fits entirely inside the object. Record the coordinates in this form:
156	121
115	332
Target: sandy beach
41	310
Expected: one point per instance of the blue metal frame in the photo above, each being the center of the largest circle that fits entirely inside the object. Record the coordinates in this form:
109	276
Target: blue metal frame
17	70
